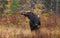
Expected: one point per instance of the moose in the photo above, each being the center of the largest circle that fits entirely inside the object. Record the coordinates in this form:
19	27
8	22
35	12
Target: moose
34	20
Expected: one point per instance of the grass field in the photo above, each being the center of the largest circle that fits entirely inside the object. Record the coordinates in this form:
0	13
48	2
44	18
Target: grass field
17	26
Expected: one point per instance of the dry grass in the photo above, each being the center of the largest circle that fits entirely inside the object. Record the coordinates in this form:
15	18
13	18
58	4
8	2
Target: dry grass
20	28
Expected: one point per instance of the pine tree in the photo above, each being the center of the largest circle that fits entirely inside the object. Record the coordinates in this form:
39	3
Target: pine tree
14	5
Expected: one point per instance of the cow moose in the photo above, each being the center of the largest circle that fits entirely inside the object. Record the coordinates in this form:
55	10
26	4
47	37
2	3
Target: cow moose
34	20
